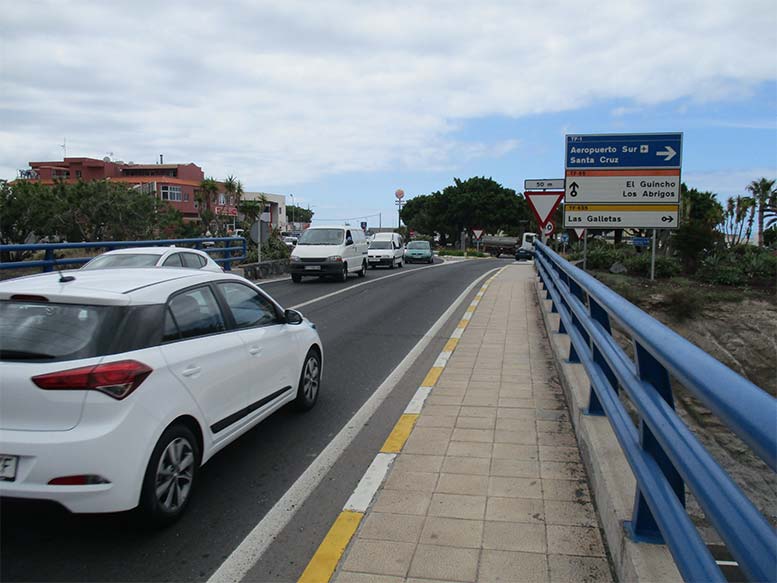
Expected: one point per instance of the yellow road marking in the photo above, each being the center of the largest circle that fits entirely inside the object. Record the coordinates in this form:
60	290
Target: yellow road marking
324	562
432	376
471	309
450	346
396	440
462	324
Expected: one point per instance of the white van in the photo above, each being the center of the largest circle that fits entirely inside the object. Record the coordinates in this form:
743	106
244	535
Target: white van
386	249
329	251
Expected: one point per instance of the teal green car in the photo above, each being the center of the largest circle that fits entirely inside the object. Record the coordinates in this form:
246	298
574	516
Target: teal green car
419	251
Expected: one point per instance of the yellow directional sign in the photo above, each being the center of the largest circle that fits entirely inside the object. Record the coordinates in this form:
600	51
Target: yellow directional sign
621	216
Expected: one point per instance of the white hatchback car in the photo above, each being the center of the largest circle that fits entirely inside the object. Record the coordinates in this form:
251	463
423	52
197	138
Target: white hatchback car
117	387
154	257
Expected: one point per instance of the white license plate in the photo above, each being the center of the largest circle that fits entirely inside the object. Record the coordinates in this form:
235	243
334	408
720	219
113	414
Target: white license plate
313	267
374	259
8	467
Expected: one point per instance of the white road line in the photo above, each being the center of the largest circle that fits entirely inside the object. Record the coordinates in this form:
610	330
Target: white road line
369	281
370	482
248	552
457	333
442	360
417	402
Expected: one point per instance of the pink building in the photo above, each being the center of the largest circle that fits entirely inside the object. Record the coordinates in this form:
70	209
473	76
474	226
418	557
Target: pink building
174	183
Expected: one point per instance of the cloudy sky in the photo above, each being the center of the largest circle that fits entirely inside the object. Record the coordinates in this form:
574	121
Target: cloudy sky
342	102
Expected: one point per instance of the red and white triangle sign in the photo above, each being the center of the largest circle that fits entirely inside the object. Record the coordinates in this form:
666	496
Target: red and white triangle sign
579	233
543	204
478	233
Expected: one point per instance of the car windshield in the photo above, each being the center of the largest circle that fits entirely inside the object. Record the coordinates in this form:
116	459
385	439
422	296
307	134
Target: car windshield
123	260
380	245
418	245
33	330
322	237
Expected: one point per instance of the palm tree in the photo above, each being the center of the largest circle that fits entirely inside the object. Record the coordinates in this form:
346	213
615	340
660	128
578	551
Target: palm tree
230	186
763	192
206	195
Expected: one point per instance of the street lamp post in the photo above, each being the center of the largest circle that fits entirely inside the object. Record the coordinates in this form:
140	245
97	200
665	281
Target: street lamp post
293	206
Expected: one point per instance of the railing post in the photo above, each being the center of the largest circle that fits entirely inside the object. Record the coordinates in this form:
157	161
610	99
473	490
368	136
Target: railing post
48	256
601	316
642	526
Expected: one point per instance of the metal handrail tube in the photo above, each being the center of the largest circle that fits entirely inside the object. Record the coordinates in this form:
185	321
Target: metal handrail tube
691	555
50	262
750	538
746	532
748	411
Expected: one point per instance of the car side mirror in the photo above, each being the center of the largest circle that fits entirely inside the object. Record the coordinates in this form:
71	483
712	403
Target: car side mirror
292	317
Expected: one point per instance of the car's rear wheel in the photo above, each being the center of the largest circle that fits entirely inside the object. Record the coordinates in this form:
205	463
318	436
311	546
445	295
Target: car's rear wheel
170	476
309	381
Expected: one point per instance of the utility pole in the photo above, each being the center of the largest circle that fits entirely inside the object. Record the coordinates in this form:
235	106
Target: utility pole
293	206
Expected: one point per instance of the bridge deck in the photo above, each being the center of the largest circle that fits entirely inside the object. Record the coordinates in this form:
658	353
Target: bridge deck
489	485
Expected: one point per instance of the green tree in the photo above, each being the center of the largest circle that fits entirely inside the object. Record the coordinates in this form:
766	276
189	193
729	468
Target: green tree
738	219
763	192
26	215
297	214
206	199
697	235
477	202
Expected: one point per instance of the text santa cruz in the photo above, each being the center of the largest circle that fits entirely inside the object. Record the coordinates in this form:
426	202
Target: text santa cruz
602	151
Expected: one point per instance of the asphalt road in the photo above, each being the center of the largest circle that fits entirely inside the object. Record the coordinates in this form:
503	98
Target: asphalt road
366	331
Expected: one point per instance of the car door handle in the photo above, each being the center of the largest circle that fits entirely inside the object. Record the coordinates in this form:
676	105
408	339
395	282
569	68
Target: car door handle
254	350
191	371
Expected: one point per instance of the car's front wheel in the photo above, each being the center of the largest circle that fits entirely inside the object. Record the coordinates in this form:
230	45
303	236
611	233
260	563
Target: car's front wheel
309	381
296	278
170	476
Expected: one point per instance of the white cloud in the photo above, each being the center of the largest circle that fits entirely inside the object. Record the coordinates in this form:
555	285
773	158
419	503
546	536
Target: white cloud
286	92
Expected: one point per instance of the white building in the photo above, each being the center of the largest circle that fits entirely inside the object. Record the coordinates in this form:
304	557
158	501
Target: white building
276	207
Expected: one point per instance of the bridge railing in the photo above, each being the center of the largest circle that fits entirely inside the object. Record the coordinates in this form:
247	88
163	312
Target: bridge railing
49	262
662	451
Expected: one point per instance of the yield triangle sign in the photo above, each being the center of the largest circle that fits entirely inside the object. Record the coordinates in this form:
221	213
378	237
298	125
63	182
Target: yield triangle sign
544	203
478	233
579	233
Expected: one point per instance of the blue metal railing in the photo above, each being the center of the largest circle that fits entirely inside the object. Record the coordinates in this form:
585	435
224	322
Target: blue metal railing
49	262
663	453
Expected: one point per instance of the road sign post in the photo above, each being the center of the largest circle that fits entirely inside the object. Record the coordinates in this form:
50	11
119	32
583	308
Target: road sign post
653	258
620	181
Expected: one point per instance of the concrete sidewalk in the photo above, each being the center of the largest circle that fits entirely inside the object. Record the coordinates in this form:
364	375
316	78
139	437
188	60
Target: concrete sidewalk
489	486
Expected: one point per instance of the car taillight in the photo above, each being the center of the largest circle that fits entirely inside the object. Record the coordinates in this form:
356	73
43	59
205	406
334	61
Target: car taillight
115	379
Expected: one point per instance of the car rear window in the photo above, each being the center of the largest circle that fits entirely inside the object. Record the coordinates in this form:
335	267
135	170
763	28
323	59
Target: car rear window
49	331
123	260
380	245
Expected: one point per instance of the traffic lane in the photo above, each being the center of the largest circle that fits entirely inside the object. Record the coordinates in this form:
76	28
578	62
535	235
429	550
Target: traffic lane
365	333
288	293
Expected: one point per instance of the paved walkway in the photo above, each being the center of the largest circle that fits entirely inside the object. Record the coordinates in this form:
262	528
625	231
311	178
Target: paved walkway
489	486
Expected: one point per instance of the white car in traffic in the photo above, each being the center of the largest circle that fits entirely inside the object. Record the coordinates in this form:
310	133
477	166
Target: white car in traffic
116	387
154	257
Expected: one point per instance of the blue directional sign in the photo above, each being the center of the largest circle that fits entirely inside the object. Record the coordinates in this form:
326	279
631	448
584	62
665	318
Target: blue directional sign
622	151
